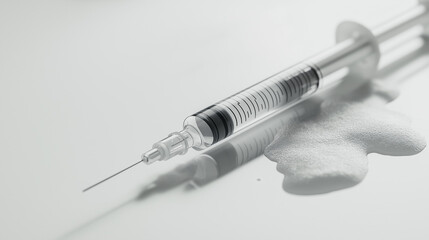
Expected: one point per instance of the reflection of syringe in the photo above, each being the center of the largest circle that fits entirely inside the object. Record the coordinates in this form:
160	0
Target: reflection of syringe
357	49
246	146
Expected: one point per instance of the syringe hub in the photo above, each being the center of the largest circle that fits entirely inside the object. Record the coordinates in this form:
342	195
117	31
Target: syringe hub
176	143
151	156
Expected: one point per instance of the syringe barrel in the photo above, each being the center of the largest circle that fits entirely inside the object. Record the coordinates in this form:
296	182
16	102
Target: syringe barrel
233	113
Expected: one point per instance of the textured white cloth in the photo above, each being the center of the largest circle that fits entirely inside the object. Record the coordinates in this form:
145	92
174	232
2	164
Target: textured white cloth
328	150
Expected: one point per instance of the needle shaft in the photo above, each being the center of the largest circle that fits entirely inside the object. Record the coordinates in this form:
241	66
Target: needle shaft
123	170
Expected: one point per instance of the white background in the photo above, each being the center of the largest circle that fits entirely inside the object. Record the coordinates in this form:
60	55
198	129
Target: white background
87	86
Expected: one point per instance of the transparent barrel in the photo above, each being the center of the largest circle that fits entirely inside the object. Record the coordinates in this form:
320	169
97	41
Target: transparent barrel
233	113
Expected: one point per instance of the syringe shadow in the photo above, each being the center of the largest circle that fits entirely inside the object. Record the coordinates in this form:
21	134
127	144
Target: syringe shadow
249	144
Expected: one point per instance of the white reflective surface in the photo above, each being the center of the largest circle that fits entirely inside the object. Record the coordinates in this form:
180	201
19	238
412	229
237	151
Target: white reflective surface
86	86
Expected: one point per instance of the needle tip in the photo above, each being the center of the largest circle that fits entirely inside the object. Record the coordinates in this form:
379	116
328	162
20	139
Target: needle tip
149	157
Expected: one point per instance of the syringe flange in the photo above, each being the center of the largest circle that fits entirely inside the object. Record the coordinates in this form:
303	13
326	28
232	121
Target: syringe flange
366	67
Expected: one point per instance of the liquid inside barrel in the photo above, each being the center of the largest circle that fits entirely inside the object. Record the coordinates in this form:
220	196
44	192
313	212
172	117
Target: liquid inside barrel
259	100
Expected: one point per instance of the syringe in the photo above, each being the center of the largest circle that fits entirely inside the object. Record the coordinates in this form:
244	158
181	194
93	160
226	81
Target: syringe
357	49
